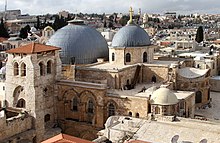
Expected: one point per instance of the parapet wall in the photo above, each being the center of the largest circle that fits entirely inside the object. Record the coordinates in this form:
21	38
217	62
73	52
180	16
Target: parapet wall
15	125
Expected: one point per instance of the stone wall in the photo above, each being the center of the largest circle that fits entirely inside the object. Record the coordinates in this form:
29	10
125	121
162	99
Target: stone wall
83	92
160	71
15	125
135	52
215	84
198	84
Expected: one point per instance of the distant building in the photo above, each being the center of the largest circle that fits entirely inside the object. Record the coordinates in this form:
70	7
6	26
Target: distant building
10	14
170	14
80	94
63	14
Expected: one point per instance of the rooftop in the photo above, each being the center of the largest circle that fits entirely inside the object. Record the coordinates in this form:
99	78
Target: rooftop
150	88
116	67
192	72
190	130
63	138
32	48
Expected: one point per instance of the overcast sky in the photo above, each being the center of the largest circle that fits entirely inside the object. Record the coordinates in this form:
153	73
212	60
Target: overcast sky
110	6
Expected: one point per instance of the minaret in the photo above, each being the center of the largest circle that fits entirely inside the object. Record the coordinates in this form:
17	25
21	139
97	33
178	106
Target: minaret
139	12
5	10
131	14
139	16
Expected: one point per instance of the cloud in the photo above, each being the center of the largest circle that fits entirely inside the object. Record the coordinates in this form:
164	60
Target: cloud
110	6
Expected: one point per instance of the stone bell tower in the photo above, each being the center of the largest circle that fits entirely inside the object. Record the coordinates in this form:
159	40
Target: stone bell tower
31	73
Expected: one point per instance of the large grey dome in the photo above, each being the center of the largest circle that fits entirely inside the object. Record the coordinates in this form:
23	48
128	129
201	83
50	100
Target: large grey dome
80	43
131	35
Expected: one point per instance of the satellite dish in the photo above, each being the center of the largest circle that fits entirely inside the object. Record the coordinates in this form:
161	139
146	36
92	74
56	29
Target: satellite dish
204	141
175	139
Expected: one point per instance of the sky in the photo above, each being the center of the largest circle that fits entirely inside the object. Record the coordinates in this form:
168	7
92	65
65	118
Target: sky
110	6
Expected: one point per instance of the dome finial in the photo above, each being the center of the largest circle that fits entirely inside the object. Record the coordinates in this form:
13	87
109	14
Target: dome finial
131	14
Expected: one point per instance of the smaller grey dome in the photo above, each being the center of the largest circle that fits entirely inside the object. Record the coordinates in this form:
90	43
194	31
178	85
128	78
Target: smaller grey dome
131	35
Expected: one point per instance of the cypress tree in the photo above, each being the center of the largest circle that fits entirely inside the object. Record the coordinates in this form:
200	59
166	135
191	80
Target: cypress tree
199	34
3	30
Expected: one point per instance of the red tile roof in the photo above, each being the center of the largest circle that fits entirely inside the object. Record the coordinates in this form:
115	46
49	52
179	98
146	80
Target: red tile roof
33	48
63	138
3	39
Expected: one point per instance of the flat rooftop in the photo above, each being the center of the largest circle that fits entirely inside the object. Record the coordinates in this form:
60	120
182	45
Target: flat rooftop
133	92
190	130
136	92
110	66
116	67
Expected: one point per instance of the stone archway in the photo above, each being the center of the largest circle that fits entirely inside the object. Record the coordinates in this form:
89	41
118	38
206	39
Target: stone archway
89	101
71	104
18	94
69	94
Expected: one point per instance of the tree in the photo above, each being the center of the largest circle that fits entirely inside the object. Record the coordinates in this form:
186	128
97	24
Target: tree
24	32
3	30
38	23
123	21
59	23
199	34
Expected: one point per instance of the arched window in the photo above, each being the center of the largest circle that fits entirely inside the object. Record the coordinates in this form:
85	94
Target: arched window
49	67
198	97
21	103
128	57
144	57
157	110
111	109
113	56
16	69
23	69
47	118
41	65
137	115
130	114
75	103
91	106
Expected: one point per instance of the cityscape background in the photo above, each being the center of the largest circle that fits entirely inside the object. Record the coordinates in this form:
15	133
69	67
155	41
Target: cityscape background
107	6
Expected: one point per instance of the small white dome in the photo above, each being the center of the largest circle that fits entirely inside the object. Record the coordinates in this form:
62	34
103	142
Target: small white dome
164	96
33	29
